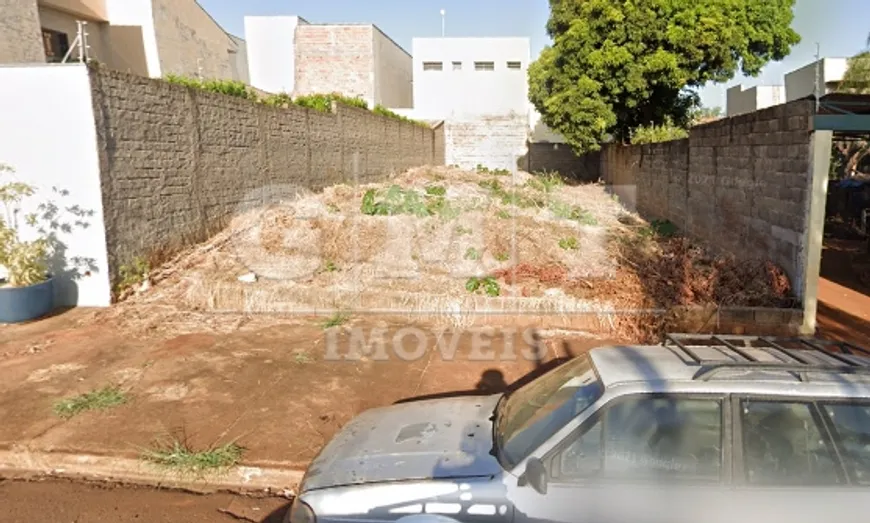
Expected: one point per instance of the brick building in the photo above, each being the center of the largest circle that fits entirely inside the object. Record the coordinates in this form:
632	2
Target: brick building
288	54
145	37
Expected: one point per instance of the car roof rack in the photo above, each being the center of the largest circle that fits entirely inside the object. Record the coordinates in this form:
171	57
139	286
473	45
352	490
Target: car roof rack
790	359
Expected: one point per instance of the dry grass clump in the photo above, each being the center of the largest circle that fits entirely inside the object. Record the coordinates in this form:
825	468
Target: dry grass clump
421	240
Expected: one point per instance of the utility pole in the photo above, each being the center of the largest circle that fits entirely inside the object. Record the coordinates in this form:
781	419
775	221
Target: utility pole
443	22
816	90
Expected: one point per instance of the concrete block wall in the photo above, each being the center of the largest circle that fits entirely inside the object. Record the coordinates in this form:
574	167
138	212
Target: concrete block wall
545	156
741	183
20	33
497	142
177	163
332	58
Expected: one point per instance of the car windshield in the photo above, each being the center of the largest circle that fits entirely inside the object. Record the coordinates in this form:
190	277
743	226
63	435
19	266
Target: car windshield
532	414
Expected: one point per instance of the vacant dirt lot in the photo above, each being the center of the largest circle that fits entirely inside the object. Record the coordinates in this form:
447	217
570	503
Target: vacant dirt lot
58	500
268	385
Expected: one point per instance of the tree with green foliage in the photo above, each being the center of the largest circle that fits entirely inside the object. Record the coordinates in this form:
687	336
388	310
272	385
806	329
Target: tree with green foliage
856	80
616	65
701	114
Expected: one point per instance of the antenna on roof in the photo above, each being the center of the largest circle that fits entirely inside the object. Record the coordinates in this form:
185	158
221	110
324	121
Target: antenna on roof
443	22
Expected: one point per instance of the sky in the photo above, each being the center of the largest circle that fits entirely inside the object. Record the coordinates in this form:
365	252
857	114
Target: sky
840	27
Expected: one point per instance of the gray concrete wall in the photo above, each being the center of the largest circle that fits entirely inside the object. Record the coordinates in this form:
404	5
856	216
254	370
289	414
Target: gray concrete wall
394	71
559	157
177	163
190	42
741	183
239	60
20	34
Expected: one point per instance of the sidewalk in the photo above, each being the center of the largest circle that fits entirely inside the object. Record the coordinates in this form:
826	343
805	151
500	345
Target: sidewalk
268	389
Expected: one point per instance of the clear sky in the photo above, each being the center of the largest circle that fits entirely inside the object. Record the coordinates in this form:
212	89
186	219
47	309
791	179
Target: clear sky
839	26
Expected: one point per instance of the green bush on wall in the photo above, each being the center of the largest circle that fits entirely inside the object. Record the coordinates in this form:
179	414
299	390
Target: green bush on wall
227	87
318	102
323	102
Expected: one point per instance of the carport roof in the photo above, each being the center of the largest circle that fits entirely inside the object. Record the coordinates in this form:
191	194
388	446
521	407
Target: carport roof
843	113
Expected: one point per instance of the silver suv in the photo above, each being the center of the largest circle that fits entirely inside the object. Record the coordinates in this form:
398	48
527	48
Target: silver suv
701	428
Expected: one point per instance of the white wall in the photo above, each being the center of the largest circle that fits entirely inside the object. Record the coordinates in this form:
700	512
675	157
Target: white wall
497	142
271	43
741	101
801	83
394	72
48	135
448	93
138	13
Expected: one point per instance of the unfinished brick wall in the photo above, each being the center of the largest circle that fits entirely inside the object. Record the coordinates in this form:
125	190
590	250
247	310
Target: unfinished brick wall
741	183
332	58
177	163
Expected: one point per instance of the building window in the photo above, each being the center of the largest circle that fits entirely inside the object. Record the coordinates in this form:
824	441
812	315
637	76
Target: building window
433	66
515	65
457	66
56	44
484	66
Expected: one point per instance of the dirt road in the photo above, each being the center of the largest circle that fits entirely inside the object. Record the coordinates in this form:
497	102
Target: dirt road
58	501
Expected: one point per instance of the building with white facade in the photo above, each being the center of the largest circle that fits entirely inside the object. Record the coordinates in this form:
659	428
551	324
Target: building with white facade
740	100
829	72
457	77
287	54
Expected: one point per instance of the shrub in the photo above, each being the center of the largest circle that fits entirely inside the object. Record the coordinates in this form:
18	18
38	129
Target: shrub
545	182
26	262
658	133
663	228
397	201
513	197
132	274
323	102
227	87
568	244
572	212
383	111
472	254
482	169
278	100
488	285
436	190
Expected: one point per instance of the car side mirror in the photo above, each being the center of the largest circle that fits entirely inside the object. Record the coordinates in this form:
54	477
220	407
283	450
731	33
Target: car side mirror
535	475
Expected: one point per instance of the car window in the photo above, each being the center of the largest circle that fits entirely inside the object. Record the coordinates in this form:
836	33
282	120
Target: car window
649	437
852	424
531	415
784	445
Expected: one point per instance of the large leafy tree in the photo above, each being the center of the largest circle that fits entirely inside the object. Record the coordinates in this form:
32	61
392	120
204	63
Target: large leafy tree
856	80
616	65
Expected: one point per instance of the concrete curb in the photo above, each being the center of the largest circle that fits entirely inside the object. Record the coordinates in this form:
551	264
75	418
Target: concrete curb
25	463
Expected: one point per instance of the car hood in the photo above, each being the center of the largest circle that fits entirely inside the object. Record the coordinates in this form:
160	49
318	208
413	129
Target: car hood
433	439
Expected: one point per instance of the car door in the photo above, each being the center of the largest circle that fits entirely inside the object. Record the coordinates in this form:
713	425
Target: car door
800	460
635	460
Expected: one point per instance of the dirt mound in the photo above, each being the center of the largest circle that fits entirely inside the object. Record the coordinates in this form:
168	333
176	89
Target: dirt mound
444	237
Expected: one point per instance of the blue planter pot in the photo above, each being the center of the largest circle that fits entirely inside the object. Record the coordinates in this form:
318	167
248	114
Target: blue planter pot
18	304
